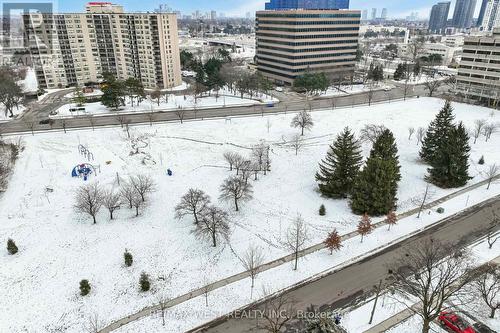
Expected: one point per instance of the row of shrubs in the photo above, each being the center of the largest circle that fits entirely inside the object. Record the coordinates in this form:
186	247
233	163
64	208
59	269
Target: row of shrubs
85	284
128	259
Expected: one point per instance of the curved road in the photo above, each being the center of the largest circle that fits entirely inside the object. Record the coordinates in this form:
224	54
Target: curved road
30	121
342	287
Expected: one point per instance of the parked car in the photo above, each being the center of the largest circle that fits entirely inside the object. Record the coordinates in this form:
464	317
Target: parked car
454	323
482	328
46	122
279	89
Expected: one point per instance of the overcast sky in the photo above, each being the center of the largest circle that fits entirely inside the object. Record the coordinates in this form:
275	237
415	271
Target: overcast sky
396	8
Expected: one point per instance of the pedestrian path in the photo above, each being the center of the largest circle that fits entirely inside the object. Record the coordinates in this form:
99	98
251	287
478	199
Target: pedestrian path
275	263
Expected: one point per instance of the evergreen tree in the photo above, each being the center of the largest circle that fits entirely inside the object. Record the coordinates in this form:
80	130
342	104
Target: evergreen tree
339	169
375	188
144	282
372	192
450	165
385	148
438	131
113	92
400	72
84	287
322	210
11	247
128	258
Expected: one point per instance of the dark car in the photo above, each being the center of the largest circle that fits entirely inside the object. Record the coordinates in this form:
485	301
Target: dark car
482	328
46	122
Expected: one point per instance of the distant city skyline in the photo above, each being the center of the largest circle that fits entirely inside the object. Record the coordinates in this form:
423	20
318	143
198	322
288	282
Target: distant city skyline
395	8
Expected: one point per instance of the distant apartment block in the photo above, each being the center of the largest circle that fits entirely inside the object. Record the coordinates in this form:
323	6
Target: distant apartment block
72	49
463	13
307	4
489	17
292	42
439	17
479	72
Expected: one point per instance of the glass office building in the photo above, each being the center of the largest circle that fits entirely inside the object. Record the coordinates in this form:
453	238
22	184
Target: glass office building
307	4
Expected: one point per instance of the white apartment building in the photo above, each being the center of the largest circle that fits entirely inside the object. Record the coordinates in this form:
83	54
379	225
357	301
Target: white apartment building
72	49
491	18
479	72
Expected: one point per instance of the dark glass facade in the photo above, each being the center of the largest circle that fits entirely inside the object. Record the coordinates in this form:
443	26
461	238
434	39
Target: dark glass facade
307	4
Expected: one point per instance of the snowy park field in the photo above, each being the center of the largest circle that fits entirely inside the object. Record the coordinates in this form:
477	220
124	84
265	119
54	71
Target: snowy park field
175	102
59	247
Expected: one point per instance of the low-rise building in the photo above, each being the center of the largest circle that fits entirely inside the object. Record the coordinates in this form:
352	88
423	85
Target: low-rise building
447	53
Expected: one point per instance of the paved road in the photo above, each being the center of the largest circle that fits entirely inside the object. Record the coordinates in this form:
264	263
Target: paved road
27	123
342	287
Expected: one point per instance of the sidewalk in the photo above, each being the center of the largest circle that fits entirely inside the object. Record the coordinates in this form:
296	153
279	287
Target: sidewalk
275	263
406	314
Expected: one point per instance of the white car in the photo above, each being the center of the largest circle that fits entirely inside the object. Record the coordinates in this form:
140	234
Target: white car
280	89
387	89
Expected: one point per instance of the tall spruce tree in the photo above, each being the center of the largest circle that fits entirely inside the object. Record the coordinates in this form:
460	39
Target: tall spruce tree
339	169
450	164
375	188
438	130
385	148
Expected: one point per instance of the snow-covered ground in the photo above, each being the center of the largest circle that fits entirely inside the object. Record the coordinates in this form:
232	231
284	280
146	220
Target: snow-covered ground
174	103
59	247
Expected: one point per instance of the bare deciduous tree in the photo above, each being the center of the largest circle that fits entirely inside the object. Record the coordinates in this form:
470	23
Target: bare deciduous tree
252	260
239	162
493	236
422	199
478	128
296	237
143	185
490	174
421	132
194	202
111	201
296	143
411	130
127	192
302	120
214	225
432	272
30	123
235	189
277	311
138	203
89	199
432	85
488	286
94	324
371	132
181	114
259	153
230	158
488	130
